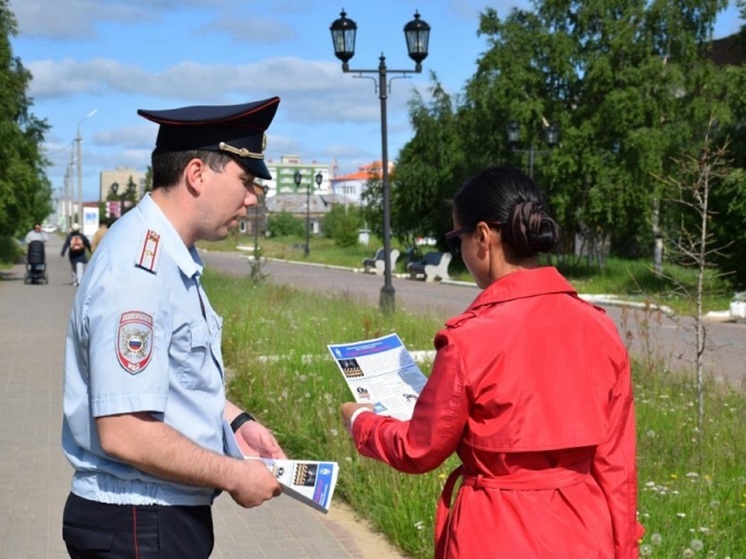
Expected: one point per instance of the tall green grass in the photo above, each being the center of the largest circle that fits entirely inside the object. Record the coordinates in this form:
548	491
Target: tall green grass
692	484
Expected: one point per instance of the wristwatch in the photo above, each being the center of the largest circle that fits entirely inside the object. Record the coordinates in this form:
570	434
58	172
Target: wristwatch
240	419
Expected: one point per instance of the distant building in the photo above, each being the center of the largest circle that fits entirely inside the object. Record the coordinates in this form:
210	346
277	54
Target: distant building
121	176
730	50
283	176
349	188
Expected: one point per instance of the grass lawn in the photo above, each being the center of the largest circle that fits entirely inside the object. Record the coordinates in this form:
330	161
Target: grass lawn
692	496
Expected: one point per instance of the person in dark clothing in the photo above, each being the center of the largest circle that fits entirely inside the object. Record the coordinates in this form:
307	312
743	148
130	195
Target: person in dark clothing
76	244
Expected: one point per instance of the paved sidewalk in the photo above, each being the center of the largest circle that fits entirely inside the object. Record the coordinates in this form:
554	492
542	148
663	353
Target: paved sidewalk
35	477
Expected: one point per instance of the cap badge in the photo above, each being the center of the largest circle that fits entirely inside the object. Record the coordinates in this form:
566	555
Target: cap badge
243	152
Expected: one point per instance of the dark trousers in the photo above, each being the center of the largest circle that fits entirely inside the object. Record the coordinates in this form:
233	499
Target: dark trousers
94	530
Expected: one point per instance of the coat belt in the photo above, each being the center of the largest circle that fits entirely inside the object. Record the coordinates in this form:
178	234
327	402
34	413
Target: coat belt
523	480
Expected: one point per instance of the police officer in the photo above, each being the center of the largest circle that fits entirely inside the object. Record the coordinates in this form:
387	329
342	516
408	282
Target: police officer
146	422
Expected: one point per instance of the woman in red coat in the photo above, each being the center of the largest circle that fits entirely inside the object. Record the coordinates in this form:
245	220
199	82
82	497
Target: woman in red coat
531	388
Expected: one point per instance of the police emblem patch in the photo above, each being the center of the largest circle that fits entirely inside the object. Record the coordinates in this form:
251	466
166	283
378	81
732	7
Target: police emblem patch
135	341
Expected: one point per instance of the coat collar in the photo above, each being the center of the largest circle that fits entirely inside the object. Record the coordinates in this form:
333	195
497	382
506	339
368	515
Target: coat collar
517	285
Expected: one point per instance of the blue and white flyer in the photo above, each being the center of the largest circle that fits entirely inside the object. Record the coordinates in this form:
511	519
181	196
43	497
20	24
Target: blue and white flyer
381	372
308	481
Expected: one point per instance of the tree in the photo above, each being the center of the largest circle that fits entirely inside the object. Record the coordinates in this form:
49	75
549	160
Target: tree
25	192
628	84
693	243
429	169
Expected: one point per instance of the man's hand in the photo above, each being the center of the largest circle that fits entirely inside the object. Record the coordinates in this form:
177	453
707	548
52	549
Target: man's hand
254	484
254	439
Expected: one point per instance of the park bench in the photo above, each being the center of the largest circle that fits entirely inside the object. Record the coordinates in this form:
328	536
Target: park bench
434	265
377	264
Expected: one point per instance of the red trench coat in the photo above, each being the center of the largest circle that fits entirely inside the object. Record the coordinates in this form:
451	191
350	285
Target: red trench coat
531	387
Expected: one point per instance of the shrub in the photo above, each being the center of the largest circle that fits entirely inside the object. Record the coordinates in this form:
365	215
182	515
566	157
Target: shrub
341	224
10	250
284	224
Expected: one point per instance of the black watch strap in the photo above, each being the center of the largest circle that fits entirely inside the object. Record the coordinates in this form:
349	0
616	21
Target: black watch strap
240	419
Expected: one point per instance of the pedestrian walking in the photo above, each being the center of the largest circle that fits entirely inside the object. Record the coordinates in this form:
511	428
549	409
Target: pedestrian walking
76	244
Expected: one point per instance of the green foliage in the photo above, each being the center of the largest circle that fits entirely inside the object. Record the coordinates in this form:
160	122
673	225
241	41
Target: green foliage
10	250
729	207
631	90
342	223
428	170
285	224
25	192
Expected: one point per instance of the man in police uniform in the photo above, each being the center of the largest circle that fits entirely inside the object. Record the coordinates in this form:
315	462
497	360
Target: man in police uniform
147	426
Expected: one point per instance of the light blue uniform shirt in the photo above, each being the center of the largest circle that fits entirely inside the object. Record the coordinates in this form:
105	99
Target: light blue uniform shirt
138	341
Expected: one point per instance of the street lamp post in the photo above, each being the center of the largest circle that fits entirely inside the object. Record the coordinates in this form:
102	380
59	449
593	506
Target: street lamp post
417	35
551	137
115	191
298	177
78	141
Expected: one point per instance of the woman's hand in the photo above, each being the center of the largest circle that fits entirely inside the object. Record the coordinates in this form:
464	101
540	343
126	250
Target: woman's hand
348	409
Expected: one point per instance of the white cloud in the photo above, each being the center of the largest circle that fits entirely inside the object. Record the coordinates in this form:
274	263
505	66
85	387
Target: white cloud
311	90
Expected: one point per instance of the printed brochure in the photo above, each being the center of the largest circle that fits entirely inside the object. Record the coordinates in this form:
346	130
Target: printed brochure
307	481
381	372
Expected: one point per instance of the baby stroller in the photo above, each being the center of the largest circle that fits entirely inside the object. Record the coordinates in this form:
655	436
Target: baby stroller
36	264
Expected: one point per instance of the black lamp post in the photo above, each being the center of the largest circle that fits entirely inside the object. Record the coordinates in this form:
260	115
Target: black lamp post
115	191
551	138
298	177
417	35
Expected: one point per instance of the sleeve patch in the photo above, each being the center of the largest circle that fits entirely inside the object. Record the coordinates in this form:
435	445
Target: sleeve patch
135	341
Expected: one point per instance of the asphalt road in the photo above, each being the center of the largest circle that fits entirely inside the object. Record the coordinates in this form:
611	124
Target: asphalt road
650	334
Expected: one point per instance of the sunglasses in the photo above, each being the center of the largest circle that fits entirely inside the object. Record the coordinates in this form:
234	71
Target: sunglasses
453	238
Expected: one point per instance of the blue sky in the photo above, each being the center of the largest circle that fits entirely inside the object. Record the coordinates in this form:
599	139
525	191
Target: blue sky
116	56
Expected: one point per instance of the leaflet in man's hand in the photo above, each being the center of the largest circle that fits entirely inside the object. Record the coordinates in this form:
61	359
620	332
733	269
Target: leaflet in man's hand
381	372
308	481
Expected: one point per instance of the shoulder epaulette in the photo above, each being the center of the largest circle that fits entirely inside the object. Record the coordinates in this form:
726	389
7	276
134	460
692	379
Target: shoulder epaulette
147	258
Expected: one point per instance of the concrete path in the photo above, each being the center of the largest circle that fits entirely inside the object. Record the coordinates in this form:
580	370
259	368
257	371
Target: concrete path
35	477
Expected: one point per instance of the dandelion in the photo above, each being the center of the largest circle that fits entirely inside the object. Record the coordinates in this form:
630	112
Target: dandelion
333	432
696	545
687	553
650	434
656	539
646	550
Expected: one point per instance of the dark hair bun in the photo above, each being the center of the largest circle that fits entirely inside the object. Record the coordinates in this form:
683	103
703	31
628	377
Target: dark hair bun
529	229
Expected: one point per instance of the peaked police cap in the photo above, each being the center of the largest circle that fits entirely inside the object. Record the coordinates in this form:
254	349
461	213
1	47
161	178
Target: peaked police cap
236	130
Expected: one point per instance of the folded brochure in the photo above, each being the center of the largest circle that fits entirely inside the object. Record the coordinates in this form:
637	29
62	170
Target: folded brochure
308	481
381	372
